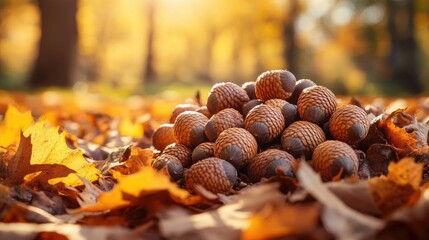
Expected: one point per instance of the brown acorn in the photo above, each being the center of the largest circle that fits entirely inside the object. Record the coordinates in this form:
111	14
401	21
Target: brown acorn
181	108
163	136
214	174
269	163
227	118
237	146
299	87
226	95
189	128
182	152
301	138
265	123
172	165
250	105
316	104
204	110
335	159
349	124
289	111
202	151
249	87
275	84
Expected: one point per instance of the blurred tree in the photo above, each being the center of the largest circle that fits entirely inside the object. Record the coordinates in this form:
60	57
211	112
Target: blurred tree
57	48
289	35
149	69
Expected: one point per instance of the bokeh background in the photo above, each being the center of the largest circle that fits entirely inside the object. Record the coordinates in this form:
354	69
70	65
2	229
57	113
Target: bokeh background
363	47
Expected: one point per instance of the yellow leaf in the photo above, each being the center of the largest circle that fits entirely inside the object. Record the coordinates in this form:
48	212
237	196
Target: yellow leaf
128	128
44	157
13	123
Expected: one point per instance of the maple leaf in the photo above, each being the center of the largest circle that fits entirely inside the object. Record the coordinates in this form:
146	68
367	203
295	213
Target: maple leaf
43	157
13	123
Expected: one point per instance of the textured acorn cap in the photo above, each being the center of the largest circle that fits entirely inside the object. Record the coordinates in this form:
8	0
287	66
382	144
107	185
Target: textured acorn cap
163	136
316	104
237	146
172	165
182	152
189	128
226	95
181	108
301	138
265	123
275	84
334	157
289	111
269	163
249	87
227	118
250	105
349	124
214	174
202	151
299	87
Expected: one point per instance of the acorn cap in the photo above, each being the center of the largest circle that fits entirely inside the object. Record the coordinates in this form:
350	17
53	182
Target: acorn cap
275	84
181	108
335	159
271	162
172	165
316	104
181	151
265	123
202	151
227	118
237	146
289	111
189	128
299	87
163	136
249	87
226	95
214	174
250	105
301	138
349	124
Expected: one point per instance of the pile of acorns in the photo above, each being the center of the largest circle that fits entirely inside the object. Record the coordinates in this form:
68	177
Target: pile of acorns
261	129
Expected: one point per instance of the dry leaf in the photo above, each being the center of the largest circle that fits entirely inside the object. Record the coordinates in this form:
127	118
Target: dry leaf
44	157
129	128
13	123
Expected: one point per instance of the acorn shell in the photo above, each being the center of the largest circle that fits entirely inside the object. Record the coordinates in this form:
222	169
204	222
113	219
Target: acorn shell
163	136
237	146
227	118
250	105
226	95
334	157
275	84
181	108
349	124
289	111
316	104
269	163
189	128
204	110
249	87
301	138
299	87
202	151
181	151
172	165
214	174
265	123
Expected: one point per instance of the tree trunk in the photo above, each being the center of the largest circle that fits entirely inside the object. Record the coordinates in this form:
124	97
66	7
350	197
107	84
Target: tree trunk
149	69
289	36
57	48
403	56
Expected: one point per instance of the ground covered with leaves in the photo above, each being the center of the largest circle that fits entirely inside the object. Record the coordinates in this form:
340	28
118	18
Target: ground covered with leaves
78	167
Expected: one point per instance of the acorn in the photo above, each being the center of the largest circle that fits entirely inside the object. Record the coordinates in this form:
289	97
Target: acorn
269	163
214	174
182	152
181	108
289	111
275	84
204	110
299	87
163	136
189	128
265	123
349	124
335	159
226	95
171	164
227	118
316	104
202	151
249	87
301	138
237	146
250	105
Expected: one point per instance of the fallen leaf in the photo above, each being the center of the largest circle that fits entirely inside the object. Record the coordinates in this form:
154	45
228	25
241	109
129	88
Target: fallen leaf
129	128
13	123
44	157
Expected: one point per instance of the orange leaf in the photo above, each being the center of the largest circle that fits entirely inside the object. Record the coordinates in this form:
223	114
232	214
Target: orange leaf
128	128
44	157
14	122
